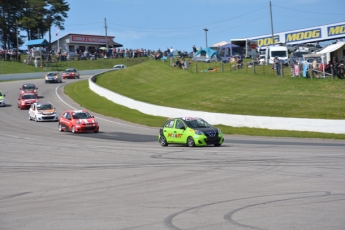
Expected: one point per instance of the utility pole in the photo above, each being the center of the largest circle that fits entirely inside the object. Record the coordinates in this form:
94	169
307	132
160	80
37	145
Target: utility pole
106	33
17	51
206	36
271	23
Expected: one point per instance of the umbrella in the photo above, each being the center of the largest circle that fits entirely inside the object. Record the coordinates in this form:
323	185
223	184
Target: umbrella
103	48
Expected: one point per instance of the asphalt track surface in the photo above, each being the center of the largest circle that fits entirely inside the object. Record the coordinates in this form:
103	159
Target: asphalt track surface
121	178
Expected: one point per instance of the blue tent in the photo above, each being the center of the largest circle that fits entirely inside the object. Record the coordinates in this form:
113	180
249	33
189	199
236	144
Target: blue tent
206	55
37	42
228	50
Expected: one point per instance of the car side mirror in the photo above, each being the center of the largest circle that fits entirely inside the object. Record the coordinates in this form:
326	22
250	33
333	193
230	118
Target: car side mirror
36	88
93	116
20	88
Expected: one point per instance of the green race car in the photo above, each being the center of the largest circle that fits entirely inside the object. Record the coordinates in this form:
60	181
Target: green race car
2	100
190	131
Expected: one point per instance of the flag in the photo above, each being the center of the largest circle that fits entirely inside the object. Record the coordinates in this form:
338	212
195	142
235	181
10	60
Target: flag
57	30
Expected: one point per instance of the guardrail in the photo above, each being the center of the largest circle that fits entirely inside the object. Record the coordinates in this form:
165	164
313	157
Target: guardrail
275	123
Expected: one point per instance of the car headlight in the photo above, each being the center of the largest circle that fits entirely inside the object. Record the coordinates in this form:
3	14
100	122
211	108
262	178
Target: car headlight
219	132
198	132
78	122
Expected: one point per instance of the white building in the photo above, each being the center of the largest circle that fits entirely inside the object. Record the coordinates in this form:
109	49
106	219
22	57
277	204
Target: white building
71	42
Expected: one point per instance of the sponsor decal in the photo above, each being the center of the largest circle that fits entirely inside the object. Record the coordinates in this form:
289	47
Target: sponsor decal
174	135
268	40
336	30
90	39
303	35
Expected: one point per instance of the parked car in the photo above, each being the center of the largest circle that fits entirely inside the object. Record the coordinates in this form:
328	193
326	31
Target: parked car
119	66
42	112
28	88
25	100
262	59
77	121
2	99
53	77
190	131
70	73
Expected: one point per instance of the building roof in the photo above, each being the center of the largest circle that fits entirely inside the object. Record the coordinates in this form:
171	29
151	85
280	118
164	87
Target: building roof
37	42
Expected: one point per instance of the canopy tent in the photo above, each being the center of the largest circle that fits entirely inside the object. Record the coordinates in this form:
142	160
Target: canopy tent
115	44
336	50
206	55
37	42
228	50
220	44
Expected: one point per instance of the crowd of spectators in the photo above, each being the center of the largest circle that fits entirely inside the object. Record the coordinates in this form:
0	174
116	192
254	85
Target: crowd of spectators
9	55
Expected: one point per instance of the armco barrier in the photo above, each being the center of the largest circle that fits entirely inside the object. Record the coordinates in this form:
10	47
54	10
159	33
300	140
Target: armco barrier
276	123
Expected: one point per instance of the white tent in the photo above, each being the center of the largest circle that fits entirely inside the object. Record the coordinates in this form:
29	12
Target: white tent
219	44
336	48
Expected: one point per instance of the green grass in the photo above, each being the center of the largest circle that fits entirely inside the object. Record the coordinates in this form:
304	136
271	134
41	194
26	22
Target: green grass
11	67
236	92
158	83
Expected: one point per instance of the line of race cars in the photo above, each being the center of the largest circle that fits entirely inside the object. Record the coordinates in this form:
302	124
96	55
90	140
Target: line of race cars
190	131
70	120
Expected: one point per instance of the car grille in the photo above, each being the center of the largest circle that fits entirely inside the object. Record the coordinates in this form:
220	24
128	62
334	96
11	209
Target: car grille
212	140
89	128
48	117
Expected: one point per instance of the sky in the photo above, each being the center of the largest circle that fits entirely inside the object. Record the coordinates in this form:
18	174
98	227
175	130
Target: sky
161	24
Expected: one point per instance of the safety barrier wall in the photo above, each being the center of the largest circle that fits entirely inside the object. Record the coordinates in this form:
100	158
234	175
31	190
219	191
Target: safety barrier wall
275	123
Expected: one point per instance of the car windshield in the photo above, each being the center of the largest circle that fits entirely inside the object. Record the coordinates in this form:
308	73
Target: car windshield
197	123
51	74
69	70
44	106
279	53
81	115
29	96
28	86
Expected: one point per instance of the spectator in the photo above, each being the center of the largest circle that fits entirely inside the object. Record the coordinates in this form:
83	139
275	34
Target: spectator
315	68
292	63
341	70
277	65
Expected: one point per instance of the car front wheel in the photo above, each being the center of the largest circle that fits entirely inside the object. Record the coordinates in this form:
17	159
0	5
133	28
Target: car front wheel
163	141
60	128
190	142
73	129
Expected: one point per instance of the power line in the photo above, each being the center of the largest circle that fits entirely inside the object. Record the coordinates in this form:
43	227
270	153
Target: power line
307	11
194	26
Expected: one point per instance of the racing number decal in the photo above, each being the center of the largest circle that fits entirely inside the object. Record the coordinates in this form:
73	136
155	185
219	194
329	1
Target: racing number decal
174	135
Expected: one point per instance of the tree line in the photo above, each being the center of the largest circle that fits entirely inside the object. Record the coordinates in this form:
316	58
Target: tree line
35	17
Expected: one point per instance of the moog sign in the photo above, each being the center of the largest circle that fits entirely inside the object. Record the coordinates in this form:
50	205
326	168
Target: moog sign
303	35
267	41
336	30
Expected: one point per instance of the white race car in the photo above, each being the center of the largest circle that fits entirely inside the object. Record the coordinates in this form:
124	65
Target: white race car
42	112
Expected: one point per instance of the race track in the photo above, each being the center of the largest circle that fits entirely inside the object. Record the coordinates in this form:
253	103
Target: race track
121	178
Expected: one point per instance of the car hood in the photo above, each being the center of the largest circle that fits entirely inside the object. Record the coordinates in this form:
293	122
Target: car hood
30	100
2	97
208	131
86	121
47	111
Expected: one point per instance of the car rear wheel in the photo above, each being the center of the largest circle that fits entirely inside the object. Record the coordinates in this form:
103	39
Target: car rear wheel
163	141
190	142
73	129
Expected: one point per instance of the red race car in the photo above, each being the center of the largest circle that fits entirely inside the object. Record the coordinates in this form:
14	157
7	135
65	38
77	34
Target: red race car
71	73
28	88
77	121
26	99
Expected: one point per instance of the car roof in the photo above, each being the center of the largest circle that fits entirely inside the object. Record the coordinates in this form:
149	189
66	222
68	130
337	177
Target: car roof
75	111
28	93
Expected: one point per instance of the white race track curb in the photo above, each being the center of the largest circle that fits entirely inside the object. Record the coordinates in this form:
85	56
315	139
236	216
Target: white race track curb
276	123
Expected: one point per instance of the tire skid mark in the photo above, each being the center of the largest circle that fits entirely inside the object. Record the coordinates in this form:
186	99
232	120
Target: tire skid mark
169	219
